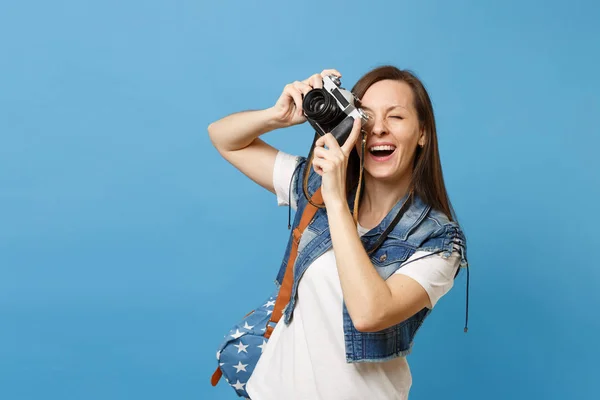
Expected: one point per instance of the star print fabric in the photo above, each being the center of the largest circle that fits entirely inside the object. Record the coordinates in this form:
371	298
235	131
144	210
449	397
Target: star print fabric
243	346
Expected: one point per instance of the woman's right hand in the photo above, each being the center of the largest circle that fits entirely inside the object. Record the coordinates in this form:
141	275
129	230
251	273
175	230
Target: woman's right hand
287	111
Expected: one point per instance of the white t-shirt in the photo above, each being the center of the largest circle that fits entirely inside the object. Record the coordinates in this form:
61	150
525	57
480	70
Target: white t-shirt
306	359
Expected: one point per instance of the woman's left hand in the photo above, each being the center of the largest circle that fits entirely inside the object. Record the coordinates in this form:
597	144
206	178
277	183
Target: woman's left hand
331	164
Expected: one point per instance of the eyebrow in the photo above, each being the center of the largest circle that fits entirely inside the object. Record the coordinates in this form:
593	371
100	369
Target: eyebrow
387	109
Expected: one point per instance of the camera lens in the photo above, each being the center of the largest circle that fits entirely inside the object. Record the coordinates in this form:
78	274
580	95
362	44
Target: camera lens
317	104
320	106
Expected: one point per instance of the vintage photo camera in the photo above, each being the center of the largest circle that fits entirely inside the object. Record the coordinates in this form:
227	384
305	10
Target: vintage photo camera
332	109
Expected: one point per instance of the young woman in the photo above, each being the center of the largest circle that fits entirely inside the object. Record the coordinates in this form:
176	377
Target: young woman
355	312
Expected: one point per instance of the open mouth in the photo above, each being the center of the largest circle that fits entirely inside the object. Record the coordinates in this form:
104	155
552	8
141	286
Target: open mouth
382	152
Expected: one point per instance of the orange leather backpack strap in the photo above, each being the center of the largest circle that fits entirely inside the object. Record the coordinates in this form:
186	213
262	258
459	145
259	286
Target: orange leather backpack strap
216	376
285	291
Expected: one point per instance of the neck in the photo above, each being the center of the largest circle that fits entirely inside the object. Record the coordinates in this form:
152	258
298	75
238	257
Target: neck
379	197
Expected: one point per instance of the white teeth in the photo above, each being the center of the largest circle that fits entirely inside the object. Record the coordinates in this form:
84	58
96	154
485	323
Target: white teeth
385	147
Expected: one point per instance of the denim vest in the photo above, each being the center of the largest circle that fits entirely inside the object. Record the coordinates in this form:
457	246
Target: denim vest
420	228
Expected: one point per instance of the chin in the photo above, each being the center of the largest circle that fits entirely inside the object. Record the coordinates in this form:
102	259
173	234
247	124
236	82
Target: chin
382	174
385	172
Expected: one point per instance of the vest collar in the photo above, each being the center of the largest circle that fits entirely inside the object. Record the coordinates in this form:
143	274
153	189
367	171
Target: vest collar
411	218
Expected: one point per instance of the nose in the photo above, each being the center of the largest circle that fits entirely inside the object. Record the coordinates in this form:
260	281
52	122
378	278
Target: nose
378	126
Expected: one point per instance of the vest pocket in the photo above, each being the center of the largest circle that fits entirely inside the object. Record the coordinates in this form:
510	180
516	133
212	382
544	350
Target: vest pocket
389	254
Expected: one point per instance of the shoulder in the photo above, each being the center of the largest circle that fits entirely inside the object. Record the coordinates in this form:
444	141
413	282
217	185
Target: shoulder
443	226
438	224
437	233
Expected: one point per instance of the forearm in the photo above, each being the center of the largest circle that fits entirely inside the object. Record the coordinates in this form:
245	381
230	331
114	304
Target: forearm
237	131
363	289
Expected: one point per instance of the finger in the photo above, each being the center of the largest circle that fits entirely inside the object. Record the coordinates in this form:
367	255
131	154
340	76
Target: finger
317	169
322	164
322	141
319	141
302	87
354	134
295	93
316	81
329	141
331	72
320	152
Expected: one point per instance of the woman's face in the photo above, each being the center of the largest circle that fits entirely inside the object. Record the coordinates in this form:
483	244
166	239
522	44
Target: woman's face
393	123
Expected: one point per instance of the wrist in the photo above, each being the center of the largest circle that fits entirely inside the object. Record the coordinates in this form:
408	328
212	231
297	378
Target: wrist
337	206
274	119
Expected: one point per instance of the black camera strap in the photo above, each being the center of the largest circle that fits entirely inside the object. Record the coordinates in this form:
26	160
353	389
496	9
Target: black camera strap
405	206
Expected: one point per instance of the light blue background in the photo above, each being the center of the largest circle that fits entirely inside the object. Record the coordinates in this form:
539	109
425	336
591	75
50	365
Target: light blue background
128	247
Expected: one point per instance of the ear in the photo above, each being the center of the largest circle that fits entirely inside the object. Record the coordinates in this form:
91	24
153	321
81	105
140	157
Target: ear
422	139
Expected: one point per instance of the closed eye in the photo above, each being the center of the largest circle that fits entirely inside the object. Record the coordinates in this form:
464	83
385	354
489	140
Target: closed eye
396	116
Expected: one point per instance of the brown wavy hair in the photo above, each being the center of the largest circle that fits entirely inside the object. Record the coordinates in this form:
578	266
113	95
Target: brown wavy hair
427	178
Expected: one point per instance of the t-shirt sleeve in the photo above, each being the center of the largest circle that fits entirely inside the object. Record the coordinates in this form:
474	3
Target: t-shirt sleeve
434	273
285	164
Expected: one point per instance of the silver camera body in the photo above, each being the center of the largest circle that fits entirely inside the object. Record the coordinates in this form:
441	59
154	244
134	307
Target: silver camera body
332	109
